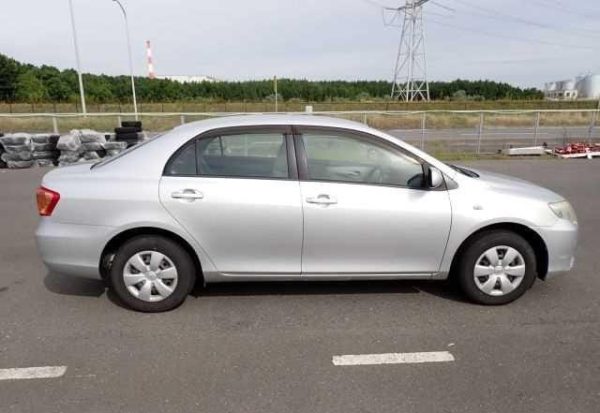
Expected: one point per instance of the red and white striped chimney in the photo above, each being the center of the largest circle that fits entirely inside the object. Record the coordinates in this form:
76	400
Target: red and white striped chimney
151	74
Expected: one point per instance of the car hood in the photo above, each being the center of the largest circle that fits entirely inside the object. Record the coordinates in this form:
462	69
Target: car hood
511	185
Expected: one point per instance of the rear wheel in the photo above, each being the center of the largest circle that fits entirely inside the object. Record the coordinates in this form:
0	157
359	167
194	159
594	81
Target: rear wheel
497	268
152	274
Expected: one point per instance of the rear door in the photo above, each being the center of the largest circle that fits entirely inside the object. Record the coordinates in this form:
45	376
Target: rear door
366	211
236	191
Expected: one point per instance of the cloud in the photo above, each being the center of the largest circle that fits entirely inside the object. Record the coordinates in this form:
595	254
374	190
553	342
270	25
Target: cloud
315	39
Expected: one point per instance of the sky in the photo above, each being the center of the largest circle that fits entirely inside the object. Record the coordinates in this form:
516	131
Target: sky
525	43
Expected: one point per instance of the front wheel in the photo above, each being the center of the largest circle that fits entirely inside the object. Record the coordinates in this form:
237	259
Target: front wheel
497	267
152	274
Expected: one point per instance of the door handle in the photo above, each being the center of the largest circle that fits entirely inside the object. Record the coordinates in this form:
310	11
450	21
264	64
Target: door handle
187	195
322	199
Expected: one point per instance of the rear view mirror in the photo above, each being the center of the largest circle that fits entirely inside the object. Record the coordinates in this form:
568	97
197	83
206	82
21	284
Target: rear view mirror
435	178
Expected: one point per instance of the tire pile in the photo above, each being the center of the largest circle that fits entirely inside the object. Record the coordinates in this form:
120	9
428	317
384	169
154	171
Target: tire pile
23	150
130	132
2	151
86	145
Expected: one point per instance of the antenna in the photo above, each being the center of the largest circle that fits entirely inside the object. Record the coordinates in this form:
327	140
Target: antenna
410	73
151	74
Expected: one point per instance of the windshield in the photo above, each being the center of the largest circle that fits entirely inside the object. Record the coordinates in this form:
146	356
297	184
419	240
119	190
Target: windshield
108	160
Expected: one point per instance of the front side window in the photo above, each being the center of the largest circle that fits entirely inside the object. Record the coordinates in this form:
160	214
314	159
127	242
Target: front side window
346	158
260	155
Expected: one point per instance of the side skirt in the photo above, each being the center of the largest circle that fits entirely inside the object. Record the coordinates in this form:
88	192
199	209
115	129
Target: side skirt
232	277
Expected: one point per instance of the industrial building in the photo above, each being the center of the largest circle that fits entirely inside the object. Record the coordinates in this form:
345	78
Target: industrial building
188	79
175	78
580	88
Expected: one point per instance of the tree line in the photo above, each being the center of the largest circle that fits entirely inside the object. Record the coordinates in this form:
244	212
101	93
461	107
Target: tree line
20	82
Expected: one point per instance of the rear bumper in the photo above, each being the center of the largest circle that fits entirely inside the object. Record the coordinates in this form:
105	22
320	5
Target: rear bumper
561	242
69	249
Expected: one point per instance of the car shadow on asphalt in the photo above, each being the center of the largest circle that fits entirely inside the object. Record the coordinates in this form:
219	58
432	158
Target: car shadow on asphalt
446	290
66	285
82	287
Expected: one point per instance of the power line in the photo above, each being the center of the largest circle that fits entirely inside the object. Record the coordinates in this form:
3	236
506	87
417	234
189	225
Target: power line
450	9
557	6
495	14
374	3
504	36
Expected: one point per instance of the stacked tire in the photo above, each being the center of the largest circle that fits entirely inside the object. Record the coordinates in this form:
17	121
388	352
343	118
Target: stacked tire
44	152
92	144
130	132
17	150
2	151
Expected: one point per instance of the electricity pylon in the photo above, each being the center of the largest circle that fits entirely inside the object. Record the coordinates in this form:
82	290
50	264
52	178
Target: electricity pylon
410	74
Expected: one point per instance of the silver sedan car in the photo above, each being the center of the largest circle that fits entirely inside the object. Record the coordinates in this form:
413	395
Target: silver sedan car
257	198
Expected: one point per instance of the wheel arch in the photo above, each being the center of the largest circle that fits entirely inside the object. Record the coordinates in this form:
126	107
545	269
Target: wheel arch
531	236
119	239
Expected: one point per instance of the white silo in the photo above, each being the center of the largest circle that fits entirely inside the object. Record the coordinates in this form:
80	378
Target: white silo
588	87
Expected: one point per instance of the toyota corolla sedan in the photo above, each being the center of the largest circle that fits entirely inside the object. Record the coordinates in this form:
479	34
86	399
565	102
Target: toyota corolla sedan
265	198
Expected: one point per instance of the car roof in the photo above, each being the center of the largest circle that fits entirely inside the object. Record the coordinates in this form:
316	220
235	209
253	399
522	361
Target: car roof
161	149
195	128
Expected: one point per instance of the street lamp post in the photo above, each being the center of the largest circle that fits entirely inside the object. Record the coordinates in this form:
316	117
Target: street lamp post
81	91
130	58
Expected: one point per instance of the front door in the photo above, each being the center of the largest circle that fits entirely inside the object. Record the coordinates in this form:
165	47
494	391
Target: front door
366	211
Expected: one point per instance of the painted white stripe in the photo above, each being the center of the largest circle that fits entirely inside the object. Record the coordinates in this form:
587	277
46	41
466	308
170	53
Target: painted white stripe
393	358
48	372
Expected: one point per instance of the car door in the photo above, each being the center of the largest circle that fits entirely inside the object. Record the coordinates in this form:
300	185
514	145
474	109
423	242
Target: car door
237	193
366	210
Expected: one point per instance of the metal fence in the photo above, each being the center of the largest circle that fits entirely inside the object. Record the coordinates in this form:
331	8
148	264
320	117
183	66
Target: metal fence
436	131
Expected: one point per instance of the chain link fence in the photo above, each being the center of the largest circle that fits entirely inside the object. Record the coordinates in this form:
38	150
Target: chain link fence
435	131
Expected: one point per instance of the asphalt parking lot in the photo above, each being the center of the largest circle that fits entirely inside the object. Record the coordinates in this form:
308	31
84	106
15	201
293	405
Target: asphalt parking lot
270	347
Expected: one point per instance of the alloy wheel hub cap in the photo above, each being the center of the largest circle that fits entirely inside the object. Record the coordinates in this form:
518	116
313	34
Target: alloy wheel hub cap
499	270
150	276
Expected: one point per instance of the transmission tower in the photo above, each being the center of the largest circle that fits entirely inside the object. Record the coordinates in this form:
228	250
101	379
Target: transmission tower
410	74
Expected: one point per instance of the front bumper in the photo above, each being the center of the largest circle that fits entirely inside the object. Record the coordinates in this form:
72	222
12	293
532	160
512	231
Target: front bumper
561	242
69	249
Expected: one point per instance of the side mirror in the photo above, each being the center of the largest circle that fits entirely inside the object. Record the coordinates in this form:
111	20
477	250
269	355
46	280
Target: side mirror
435	178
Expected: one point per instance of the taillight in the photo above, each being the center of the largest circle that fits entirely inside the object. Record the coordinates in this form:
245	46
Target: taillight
46	201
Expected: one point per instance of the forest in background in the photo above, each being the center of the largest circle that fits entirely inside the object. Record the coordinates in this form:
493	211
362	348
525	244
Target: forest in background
26	83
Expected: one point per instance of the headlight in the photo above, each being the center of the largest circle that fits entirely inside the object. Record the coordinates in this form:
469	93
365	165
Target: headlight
564	210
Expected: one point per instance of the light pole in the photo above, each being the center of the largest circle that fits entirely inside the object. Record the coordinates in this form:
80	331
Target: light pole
276	95
130	58
81	92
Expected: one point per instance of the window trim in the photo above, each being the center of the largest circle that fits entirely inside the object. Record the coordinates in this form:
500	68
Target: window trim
285	131
302	156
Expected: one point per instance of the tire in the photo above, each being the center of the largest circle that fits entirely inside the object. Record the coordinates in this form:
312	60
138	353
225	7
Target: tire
132	124
495	285
125	136
152	298
127	129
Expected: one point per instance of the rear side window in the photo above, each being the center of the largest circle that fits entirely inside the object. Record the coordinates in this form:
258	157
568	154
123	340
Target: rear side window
184	162
251	155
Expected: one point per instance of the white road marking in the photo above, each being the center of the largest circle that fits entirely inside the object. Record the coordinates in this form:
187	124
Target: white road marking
47	372
393	358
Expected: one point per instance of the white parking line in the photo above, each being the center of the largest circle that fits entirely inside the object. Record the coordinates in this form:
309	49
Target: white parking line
393	358
47	372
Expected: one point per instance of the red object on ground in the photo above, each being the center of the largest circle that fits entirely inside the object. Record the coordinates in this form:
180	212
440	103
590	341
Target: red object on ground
577	148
